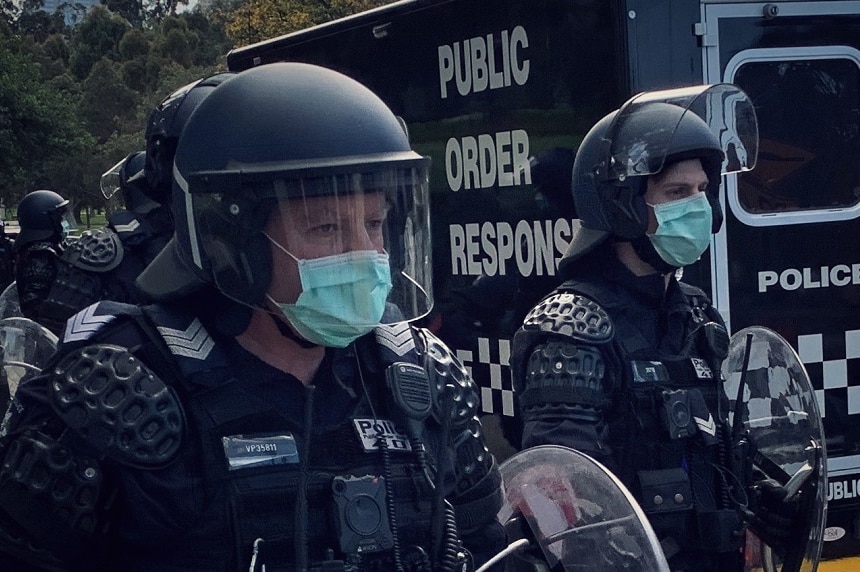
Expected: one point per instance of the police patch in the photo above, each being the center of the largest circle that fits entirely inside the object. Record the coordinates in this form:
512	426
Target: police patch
703	370
371	431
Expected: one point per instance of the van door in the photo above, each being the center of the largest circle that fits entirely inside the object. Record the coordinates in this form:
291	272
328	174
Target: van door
788	256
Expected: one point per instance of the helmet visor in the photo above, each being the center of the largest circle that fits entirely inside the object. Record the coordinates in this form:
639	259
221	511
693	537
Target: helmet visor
725	108
315	235
110	180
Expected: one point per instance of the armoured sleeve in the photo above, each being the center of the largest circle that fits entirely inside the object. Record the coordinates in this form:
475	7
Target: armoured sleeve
563	385
476	493
95	412
35	274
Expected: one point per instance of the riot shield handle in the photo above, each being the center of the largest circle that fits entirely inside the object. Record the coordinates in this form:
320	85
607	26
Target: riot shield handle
799	478
740	405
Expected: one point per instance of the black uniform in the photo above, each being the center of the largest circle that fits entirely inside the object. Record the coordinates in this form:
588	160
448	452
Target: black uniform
36	270
611	365
189	453
103	264
7	259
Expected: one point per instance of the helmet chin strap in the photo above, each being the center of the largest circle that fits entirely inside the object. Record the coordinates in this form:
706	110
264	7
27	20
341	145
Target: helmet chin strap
287	332
645	250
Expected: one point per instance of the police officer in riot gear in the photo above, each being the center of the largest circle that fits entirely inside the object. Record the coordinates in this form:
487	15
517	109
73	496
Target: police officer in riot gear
275	410
622	361
105	263
7	257
38	246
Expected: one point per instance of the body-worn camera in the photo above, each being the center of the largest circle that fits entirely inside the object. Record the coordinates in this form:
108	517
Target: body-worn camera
677	416
361	515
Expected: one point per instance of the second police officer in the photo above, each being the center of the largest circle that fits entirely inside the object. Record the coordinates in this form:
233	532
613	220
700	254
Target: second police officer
622	361
276	409
103	264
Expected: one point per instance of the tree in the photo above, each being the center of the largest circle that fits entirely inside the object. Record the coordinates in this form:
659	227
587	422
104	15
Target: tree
107	105
38	124
40	25
258	20
97	37
131	10
75	100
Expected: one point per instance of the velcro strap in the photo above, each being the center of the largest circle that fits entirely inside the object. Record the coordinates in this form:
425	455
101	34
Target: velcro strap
475	513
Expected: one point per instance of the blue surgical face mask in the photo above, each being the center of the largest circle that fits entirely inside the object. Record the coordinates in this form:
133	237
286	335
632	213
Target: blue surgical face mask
683	229
343	296
66	227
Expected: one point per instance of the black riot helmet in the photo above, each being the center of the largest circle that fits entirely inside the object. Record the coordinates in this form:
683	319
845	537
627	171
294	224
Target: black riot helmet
277	141
714	123
128	177
40	216
164	128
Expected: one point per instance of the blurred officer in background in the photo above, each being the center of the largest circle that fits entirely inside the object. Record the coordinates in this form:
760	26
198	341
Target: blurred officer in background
103	264
38	246
7	258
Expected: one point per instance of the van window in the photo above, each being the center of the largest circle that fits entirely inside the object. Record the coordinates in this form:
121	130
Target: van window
809	128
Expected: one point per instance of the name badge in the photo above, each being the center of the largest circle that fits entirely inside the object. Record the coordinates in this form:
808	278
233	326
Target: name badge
649	371
260	450
703	370
370	431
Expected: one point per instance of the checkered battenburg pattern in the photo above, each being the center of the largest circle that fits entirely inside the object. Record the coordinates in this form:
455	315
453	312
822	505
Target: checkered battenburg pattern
491	370
833	364
835	376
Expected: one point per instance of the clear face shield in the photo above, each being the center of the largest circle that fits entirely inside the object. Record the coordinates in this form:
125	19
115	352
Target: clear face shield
110	180
340	251
727	110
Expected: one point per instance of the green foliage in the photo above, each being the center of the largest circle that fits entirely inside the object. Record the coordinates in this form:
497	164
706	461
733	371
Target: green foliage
107	104
74	100
38	124
257	20
97	37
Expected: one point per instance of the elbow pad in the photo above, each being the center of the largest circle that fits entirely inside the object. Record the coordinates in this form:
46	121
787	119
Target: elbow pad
53	501
564	378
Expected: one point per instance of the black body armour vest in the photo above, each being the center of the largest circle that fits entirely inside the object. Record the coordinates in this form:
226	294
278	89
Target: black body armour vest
669	427
301	489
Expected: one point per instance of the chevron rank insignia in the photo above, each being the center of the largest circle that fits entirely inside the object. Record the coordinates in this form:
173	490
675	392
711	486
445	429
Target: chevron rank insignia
130	227
396	337
193	342
85	323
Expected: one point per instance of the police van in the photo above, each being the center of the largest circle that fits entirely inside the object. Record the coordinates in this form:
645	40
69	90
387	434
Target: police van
500	92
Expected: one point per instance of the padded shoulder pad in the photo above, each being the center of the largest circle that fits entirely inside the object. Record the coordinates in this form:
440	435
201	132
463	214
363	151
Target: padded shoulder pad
451	386
571	315
96	250
118	406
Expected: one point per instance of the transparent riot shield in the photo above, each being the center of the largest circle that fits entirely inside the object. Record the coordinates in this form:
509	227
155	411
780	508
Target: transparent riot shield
9	305
775	414
26	347
566	512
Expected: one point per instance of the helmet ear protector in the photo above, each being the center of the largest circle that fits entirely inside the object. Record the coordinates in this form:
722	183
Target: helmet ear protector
624	207
239	252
